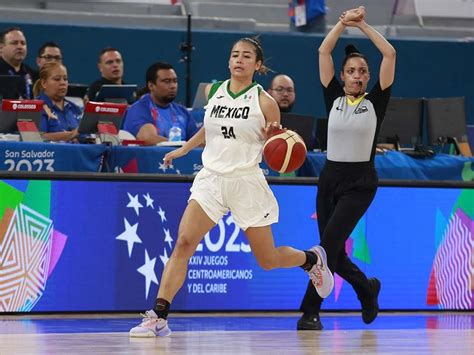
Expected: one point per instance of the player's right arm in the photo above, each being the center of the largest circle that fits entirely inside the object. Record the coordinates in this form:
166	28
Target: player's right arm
198	139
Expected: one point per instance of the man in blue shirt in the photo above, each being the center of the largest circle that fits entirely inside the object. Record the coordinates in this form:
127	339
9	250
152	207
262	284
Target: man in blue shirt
155	118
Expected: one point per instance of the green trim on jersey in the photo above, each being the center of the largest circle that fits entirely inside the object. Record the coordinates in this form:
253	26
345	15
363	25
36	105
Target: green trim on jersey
213	90
234	96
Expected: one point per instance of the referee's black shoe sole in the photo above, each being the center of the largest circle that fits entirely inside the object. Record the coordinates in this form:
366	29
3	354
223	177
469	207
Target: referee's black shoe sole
309	322
370	305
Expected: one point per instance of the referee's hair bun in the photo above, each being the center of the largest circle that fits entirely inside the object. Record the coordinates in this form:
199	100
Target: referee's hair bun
350	48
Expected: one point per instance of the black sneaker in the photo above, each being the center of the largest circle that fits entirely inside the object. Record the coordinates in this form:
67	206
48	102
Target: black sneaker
370	305
309	321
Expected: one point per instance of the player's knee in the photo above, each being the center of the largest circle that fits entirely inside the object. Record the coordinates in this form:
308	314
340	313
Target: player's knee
267	263
184	247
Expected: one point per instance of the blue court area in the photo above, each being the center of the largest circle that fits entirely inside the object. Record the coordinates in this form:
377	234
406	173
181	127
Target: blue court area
230	323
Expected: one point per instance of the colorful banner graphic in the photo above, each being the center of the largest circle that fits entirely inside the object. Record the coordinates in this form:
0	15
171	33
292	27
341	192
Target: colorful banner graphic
103	245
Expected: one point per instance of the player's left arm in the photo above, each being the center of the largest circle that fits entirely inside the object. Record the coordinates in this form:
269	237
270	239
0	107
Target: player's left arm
270	111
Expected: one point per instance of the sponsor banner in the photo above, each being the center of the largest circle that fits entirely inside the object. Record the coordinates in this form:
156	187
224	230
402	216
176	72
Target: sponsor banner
25	156
105	108
103	246
22	105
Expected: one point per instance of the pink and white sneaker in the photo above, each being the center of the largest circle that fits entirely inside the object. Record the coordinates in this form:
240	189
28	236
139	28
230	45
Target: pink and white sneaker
151	326
320	275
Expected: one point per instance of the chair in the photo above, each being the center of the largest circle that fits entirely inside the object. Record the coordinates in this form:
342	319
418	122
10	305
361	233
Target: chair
402	124
446	123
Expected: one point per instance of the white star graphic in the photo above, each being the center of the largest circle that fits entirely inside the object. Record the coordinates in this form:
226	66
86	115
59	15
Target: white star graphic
130	236
164	168
134	203
164	258
162	214
148	271
168	238
149	200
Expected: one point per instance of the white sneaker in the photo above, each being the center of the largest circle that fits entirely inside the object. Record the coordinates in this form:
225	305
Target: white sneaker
151	326
320	275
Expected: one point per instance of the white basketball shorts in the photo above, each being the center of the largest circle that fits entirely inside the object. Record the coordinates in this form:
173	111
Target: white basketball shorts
248	198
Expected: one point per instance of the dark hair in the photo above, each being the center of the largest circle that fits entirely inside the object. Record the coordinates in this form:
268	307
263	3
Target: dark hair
152	71
47	45
7	31
255	42
352	52
105	50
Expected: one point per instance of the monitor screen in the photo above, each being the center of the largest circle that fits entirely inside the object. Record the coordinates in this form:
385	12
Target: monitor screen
321	141
402	119
11	86
15	110
303	125
117	93
446	117
101	112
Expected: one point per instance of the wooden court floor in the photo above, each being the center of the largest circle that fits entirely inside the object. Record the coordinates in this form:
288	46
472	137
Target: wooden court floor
241	333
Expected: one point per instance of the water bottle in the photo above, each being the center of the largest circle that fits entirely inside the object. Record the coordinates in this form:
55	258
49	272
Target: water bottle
175	134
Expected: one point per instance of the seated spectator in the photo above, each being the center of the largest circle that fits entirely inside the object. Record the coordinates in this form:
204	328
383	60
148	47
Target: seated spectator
282	89
60	117
111	69
155	118
13	54
48	52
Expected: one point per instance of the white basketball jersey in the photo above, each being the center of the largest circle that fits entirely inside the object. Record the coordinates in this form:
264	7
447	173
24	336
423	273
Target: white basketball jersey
233	124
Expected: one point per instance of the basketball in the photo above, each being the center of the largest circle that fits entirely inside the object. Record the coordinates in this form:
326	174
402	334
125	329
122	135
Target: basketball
285	151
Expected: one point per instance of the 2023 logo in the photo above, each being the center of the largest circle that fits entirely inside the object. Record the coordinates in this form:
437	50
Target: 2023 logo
29	165
232	245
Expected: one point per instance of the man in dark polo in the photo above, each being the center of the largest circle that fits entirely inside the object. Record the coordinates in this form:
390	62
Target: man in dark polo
13	52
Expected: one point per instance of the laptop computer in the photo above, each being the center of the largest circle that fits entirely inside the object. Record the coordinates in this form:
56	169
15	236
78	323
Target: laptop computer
301	124
200	99
98	115
117	94
23	116
77	90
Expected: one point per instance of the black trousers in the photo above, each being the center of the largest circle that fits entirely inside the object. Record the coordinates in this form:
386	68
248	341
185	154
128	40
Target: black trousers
345	192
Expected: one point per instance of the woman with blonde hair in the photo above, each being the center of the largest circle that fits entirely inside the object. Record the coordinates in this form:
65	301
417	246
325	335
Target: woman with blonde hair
60	117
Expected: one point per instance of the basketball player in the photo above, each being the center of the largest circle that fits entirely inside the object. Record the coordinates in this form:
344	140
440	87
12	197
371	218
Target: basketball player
240	115
348	182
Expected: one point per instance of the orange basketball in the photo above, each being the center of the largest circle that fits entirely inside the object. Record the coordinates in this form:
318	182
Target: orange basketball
285	151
